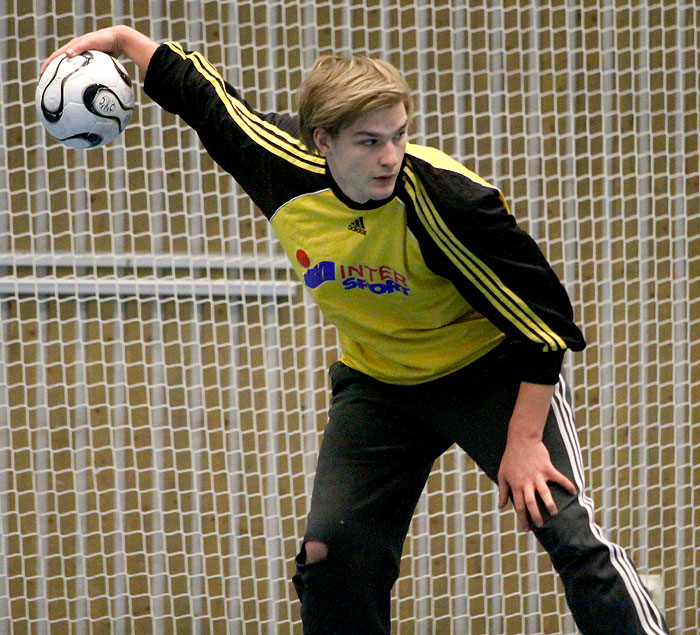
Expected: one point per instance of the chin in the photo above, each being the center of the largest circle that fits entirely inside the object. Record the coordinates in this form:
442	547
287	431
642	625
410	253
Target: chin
383	192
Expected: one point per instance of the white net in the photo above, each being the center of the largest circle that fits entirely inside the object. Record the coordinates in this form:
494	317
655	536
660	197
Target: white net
162	375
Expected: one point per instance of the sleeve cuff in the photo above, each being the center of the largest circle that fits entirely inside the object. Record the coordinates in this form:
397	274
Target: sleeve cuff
150	81
541	368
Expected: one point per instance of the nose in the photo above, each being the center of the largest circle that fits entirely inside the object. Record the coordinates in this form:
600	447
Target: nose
389	156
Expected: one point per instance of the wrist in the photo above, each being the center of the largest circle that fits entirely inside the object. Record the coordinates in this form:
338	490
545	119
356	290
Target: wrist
120	36
124	38
135	45
524	433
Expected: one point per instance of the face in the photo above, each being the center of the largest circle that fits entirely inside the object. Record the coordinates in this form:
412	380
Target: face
365	158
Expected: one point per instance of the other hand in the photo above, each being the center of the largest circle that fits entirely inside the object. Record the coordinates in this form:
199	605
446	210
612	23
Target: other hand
525	471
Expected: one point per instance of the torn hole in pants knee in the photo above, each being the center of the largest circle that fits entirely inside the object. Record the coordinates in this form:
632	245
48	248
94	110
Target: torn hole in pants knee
317	553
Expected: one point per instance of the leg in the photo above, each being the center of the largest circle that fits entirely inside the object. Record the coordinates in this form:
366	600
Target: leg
603	590
602	587
372	467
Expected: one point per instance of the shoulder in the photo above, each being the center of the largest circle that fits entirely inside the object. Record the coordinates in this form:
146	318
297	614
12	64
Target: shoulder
425	158
449	183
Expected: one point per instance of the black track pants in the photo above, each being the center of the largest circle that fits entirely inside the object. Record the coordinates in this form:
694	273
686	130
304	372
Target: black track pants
377	451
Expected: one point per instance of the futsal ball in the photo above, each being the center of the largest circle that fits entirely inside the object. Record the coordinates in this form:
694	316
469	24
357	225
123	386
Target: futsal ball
85	101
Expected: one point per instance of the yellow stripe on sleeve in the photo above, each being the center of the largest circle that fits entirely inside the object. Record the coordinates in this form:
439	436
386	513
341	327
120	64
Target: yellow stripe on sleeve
479	274
261	132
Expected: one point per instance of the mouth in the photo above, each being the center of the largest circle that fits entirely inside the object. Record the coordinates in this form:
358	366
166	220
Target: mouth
385	179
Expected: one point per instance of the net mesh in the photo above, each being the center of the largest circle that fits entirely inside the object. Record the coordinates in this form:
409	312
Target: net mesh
162	375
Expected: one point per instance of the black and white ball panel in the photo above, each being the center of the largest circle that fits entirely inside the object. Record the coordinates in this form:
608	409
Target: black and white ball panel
85	101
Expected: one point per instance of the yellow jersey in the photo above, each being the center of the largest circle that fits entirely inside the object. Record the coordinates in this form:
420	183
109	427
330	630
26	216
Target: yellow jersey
418	285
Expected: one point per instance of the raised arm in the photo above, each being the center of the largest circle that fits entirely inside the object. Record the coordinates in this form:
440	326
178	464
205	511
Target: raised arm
261	151
115	40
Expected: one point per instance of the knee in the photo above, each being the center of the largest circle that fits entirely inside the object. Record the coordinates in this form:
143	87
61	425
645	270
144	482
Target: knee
315	551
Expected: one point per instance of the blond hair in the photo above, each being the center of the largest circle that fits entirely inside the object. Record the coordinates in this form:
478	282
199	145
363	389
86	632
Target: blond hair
339	90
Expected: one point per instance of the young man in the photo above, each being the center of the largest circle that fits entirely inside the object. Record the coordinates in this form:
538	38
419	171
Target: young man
453	329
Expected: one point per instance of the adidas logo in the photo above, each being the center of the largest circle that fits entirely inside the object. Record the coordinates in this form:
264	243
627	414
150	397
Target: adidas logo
358	225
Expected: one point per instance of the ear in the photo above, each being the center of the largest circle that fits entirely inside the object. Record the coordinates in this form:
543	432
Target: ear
322	138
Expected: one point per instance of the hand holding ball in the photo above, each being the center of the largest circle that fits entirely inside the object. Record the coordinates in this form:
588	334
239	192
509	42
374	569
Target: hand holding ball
85	101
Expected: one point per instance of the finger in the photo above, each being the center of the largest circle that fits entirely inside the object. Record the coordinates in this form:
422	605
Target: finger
533	508
524	522
560	479
569	486
76	46
50	59
546	496
503	491
521	510
54	55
